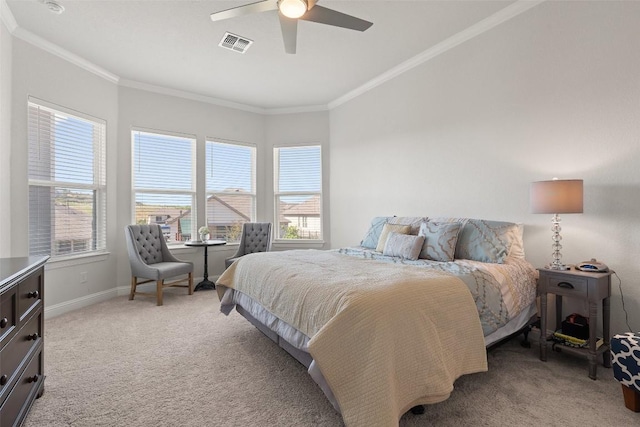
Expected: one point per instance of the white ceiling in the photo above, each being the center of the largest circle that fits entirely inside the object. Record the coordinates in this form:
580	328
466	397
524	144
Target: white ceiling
174	44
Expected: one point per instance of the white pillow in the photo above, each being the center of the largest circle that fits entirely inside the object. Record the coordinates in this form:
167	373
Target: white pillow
406	246
388	228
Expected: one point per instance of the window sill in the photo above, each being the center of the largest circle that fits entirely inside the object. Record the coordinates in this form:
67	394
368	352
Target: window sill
73	260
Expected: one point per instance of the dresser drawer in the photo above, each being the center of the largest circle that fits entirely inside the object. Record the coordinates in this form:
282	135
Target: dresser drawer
13	355
15	408
567	286
8	315
21	340
30	293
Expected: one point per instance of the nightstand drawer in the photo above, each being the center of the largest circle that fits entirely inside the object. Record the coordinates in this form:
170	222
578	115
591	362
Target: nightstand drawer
567	286
593	288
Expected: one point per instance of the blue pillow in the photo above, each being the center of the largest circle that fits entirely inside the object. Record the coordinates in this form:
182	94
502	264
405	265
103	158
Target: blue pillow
370	239
440	240
487	241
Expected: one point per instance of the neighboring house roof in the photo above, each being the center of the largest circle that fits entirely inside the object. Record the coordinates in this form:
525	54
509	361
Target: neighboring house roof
222	210
225	210
150	212
309	207
230	209
179	216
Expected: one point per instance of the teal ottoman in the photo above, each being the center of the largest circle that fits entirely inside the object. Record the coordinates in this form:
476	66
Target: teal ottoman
625	354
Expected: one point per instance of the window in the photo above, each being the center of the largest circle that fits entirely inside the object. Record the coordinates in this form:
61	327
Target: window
67	185
163	182
298	192
231	188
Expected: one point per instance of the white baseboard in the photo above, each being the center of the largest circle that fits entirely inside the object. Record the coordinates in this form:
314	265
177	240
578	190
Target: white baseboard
74	304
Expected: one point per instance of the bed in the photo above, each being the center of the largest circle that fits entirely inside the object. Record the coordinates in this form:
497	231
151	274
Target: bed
391	324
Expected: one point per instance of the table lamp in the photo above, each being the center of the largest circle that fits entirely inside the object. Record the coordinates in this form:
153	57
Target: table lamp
555	197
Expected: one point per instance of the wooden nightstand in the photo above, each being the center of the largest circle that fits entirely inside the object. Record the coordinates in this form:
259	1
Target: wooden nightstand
591	287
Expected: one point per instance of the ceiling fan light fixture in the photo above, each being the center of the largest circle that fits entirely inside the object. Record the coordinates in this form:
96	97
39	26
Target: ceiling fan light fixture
292	8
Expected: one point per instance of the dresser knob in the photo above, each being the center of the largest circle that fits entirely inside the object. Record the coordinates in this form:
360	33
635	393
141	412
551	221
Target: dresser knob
33	294
32	337
33	379
4	322
3	379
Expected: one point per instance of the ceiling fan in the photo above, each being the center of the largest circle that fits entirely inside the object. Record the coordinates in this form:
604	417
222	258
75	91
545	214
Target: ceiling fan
289	11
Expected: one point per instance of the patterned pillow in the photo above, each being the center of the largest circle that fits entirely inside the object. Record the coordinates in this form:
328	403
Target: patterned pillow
440	240
413	221
370	239
388	228
625	349
489	241
405	246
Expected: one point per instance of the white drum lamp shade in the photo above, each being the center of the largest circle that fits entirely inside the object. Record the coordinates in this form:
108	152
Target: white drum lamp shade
555	197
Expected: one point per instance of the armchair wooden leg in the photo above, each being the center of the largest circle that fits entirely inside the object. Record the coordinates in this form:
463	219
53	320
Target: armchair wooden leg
133	287
190	283
160	284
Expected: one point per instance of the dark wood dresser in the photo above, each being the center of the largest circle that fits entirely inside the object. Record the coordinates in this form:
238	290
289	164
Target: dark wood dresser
21	336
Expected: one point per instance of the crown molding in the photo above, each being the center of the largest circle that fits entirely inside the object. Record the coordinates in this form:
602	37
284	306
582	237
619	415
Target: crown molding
54	49
296	110
19	32
217	101
475	30
190	95
9	20
7	16
505	14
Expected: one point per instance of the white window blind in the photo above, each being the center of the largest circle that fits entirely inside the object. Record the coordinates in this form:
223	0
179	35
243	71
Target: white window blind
163	182
67	185
231	188
298	191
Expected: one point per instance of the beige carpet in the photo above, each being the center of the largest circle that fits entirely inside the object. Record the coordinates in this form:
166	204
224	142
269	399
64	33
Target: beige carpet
130	363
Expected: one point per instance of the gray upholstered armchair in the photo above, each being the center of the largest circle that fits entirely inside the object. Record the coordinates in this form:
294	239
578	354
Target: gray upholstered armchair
256	237
150	259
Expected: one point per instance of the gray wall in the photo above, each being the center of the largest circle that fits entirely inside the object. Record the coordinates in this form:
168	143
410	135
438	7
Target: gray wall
35	72
5	139
52	79
305	128
552	92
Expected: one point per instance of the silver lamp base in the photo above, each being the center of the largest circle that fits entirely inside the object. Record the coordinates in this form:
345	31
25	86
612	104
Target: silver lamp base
556	264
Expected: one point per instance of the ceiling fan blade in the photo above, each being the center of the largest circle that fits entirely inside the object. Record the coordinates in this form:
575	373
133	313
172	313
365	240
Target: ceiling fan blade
323	15
261	6
289	33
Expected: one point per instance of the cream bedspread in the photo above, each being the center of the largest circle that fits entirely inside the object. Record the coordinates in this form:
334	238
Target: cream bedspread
386	337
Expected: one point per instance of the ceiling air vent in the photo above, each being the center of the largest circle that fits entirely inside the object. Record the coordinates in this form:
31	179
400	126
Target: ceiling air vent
235	43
